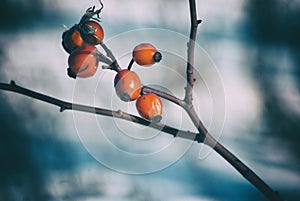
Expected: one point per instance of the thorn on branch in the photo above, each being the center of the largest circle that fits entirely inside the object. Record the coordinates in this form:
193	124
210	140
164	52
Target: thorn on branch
199	21
62	108
13	83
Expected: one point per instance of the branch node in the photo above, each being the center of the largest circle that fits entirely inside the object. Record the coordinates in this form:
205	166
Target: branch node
104	67
190	105
199	138
13	83
62	108
120	113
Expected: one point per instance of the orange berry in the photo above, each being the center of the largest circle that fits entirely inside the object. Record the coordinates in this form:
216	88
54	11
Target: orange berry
71	39
149	106
145	54
83	62
127	85
92	32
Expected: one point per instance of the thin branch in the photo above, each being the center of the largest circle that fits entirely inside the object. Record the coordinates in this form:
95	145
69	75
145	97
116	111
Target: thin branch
209	140
165	95
190	53
63	105
114	66
244	170
130	64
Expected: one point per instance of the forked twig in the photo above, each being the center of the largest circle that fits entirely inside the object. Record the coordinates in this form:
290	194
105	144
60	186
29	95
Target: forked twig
209	140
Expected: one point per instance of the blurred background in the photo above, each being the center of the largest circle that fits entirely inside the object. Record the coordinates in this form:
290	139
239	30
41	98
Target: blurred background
252	93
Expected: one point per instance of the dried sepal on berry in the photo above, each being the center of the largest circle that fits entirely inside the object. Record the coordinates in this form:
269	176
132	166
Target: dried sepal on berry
91	32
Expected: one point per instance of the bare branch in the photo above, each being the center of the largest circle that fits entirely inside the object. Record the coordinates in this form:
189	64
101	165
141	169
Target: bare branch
63	105
244	170
190	53
209	140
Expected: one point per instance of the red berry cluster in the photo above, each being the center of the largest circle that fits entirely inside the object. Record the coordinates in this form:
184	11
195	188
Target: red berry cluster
80	42
128	85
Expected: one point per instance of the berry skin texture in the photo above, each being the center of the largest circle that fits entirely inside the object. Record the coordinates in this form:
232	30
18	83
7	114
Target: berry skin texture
146	54
71	39
127	85
149	106
83	62
92	32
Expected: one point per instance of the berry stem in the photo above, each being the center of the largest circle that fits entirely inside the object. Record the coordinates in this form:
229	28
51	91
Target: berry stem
164	95
114	65
130	64
103	58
